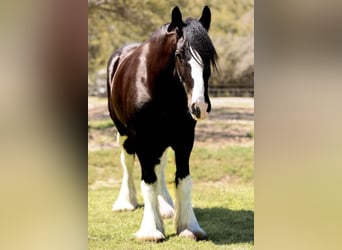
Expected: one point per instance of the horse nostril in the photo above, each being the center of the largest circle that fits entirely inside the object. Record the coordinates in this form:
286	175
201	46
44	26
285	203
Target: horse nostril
195	110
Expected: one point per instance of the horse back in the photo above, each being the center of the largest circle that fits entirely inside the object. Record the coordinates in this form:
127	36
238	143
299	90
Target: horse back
113	63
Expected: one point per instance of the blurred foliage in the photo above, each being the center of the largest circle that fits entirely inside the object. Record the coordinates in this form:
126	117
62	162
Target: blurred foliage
113	23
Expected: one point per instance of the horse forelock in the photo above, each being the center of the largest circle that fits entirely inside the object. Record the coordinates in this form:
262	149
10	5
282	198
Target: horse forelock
197	37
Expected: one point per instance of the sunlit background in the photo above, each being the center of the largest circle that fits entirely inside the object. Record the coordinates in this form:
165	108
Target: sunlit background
43	103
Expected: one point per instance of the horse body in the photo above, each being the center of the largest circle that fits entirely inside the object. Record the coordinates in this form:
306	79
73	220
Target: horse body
157	91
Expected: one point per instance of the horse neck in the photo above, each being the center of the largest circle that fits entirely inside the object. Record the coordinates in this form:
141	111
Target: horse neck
162	54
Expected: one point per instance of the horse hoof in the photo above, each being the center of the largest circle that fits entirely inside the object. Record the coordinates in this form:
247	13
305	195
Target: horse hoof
123	206
196	235
165	209
154	235
166	214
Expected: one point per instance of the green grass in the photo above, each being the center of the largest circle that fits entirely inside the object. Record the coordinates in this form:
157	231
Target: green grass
214	164
206	164
225	214
100	124
250	134
222	197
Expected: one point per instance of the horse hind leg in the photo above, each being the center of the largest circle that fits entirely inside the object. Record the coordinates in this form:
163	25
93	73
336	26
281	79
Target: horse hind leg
127	197
166	206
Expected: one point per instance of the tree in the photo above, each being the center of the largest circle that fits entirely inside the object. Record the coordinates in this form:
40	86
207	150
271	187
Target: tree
113	23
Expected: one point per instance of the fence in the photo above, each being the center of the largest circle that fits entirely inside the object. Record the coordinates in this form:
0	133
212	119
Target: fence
241	90
231	90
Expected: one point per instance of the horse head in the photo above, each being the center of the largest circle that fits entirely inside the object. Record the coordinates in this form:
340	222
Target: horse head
194	56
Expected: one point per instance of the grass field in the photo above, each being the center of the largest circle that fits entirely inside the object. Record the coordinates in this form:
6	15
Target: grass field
222	177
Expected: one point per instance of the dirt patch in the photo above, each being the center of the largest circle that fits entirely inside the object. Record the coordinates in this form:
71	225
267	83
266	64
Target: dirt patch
102	139
98	113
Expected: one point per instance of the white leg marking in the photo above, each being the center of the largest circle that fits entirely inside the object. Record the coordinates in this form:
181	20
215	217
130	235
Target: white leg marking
127	197
164	198
198	90
110	72
152	228
185	220
141	77
126	51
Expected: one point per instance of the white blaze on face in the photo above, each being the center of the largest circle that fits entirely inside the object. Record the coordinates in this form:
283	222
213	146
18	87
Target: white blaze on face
197	96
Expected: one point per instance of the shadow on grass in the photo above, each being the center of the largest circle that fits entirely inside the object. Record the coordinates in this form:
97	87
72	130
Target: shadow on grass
225	226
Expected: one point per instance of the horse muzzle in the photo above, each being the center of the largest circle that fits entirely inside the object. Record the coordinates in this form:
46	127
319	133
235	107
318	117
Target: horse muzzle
198	110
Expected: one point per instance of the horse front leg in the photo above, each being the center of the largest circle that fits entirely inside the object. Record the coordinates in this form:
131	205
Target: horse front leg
152	227
185	219
127	197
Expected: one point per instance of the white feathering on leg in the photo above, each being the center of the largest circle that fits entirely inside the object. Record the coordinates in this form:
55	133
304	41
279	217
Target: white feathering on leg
152	228
185	220
164	198
127	197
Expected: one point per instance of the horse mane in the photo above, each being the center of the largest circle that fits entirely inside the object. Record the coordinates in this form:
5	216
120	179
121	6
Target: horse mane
197	37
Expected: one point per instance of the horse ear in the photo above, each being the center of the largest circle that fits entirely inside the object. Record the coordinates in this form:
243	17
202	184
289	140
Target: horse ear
176	19
206	18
